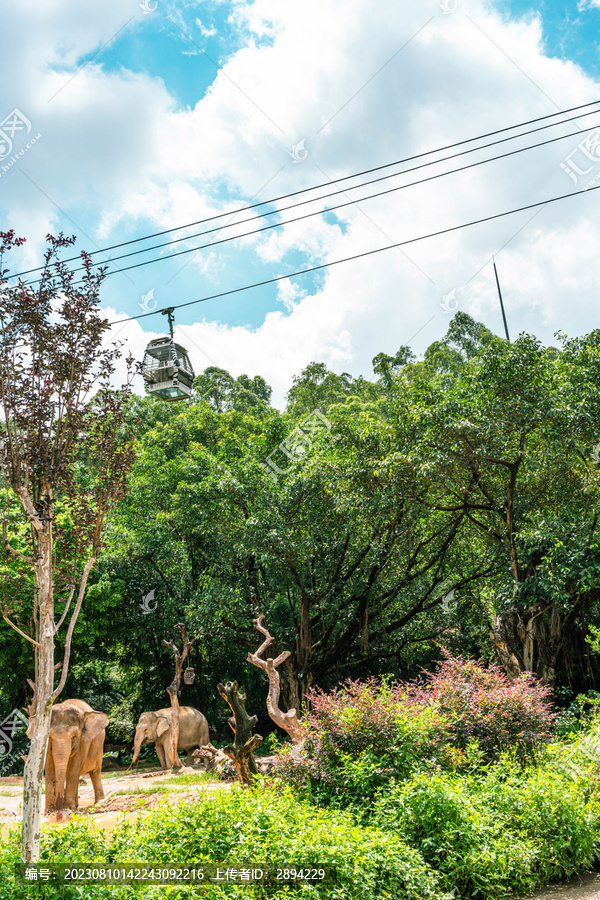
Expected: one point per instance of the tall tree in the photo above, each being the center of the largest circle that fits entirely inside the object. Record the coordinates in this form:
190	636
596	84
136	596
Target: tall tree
65	458
337	553
510	445
318	388
224	392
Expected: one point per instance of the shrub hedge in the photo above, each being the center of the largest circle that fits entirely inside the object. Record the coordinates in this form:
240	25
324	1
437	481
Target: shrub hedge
480	703
359	736
507	829
239	828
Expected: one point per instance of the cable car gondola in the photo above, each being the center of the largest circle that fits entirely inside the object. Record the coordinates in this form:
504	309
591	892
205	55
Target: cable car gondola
167	370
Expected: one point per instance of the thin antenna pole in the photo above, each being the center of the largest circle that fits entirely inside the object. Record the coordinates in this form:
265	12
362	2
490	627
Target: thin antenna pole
501	303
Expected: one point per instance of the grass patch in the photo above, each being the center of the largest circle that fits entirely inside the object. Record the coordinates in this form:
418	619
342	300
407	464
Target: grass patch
192	778
155	789
114	774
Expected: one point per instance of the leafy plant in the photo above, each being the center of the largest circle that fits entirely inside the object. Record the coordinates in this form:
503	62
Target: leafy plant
363	735
500	831
357	738
481	704
241	828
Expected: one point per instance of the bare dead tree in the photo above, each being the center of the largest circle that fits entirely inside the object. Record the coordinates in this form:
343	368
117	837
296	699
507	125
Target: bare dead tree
240	753
173	689
288	720
64	461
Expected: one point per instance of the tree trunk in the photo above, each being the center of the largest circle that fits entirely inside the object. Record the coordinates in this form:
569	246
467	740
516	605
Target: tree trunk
530	640
245	742
33	776
288	721
294	683
173	692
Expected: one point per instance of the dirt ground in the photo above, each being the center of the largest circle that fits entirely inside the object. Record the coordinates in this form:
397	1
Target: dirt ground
582	887
109	811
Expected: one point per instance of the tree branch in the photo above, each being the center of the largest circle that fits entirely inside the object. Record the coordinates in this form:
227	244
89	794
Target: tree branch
289	720
65	611
70	629
18	630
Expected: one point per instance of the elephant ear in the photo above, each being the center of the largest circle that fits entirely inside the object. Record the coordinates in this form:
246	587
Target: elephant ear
93	724
162	725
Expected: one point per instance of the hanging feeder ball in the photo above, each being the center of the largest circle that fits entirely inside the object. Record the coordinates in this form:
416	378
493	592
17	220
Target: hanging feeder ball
189	675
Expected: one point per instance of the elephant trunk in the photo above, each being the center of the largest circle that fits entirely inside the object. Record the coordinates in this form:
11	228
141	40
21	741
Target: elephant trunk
137	744
61	752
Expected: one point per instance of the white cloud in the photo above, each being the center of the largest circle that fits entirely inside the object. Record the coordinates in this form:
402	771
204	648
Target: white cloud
205	31
361	87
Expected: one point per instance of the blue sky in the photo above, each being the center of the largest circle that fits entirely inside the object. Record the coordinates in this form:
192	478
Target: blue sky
155	114
571	30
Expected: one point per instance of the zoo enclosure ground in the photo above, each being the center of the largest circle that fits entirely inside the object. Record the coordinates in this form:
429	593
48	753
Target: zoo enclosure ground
127	794
582	887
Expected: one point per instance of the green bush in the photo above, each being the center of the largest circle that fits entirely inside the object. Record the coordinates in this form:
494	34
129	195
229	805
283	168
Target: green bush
242	827
578	756
506	829
362	735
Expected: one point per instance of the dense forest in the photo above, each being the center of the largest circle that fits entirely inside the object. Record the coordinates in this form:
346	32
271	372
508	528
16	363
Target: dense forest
450	502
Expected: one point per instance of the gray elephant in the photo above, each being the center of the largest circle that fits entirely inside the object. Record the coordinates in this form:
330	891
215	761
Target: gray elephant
156	727
75	748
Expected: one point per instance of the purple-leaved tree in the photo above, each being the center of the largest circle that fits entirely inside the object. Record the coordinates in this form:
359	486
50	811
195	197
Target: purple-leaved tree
66	450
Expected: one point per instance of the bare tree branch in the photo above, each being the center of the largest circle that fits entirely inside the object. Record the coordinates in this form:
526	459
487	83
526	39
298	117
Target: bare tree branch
18	630
65	611
289	720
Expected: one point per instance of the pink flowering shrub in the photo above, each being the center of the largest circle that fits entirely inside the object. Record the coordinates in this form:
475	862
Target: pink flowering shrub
361	736
481	704
357	738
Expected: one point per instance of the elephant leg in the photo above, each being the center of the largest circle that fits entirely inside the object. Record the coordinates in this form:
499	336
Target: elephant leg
72	785
160	752
189	760
96	776
50	783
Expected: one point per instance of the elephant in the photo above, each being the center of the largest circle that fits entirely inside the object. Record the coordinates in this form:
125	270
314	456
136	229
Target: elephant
156	727
75	747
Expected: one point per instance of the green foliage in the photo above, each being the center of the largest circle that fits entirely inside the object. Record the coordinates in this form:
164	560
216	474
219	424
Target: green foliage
223	392
243	828
594	638
500	831
508	440
356	739
403	502
578	756
318	388
388	366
